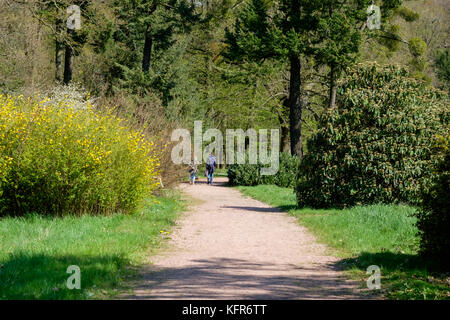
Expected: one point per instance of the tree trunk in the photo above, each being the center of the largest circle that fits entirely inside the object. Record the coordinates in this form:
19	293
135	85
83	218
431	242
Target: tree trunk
147	51
333	86
295	107
58	54
36	45
332	80
285	143
284	139
68	64
68	61
58	61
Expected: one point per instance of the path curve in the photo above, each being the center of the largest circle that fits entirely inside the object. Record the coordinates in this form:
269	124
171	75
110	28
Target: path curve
233	247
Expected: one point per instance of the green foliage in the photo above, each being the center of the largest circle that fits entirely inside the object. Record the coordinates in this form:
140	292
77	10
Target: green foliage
251	37
392	43
418	49
249	175
442	63
376	146
434	218
408	14
148	28
417	46
244	174
59	160
336	49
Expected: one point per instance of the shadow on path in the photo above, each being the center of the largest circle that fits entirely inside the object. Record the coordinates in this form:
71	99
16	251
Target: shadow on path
219	182
256	209
223	278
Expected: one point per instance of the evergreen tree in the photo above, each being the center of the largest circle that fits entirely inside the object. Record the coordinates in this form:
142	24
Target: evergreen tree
264	31
442	63
147	29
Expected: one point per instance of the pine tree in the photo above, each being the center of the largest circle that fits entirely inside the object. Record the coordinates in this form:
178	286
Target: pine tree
154	22
330	32
264	31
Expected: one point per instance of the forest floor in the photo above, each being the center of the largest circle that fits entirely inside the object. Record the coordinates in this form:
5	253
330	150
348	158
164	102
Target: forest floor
229	246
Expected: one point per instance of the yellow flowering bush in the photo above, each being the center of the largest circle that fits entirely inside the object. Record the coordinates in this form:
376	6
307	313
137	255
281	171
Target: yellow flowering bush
57	159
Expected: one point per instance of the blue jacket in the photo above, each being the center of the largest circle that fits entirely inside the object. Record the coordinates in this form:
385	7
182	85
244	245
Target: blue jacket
211	163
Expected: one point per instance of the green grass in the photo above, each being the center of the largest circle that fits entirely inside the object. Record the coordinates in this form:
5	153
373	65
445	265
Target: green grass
383	235
35	251
221	173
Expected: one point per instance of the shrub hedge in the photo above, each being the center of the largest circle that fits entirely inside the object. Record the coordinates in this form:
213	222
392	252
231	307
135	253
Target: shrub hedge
434	217
56	159
249	175
375	147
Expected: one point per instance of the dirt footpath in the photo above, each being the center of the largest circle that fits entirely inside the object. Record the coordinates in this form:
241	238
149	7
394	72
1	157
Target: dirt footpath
229	246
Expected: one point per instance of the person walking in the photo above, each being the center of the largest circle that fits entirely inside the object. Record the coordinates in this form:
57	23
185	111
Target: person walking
211	164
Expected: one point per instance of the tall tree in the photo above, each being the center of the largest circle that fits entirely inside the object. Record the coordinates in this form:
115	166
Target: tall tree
75	39
336	36
154	22
330	32
53	14
264	31
337	29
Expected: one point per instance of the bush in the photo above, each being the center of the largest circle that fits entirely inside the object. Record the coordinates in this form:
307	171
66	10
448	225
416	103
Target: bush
57	160
147	114
249	175
375	147
244	174
73	94
434	217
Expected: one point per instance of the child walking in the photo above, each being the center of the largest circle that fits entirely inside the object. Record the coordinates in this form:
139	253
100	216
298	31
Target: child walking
192	172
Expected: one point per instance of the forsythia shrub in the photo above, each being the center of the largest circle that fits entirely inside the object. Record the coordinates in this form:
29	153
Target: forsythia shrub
434	217
376	145
56	159
249	175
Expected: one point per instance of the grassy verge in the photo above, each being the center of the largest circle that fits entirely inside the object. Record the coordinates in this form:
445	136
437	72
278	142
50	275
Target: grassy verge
35	251
221	173
383	235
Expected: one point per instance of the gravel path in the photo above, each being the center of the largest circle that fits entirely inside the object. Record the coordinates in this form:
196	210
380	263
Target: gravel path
229	246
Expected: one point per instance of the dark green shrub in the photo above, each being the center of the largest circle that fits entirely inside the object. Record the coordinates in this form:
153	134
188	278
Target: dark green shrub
249	175
376	145
244	174
434	218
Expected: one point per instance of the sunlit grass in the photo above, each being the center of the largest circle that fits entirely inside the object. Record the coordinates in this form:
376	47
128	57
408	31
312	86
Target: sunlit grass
35	251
